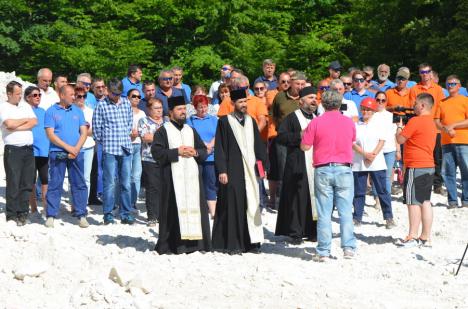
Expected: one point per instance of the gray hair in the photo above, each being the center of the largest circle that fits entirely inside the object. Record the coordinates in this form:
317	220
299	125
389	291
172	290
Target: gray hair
268	61
236	82
331	100
176	68
298	75
335	82
42	71
87	75
165	72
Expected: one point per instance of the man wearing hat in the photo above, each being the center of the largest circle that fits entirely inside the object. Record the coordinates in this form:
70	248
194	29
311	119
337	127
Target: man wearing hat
334	69
112	125
297	214
398	96
239	159
183	220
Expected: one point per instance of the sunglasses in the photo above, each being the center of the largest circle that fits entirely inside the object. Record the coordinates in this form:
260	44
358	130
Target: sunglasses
451	85
81	96
324	88
225	68
381	100
401	78
35	95
86	84
259	88
135	96
347	84
359	80
425	72
284	81
166	79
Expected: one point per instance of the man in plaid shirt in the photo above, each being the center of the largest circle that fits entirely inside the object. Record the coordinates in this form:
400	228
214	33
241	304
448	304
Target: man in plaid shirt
112	125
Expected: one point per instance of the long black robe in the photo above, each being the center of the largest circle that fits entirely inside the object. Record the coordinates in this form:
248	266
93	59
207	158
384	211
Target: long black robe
294	212
230	230
169	240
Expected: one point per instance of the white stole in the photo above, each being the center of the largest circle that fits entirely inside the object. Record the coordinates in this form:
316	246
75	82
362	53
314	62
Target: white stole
186	184
245	139
304	122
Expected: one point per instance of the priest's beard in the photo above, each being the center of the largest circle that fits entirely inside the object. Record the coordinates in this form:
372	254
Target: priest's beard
240	114
309	109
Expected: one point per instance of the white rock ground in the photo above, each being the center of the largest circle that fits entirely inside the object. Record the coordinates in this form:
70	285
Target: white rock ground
69	267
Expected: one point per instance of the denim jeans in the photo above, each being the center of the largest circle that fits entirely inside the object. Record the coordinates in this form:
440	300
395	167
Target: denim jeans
136	173
334	185
390	162
455	155
79	190
360	188
120	166
88	154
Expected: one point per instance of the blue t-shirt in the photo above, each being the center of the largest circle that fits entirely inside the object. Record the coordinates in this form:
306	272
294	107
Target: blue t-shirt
206	128
354	96
388	85
187	92
410	83
463	91
161	96
66	123
127	85
41	143
90	101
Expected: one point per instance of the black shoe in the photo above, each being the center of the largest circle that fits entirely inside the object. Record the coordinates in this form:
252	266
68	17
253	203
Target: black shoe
235	252
22	219
255	250
96	202
296	241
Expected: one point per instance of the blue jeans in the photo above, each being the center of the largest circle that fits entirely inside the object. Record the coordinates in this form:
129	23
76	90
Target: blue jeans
99	185
334	184
88	154
79	190
453	156
136	173
390	162
360	188
122	165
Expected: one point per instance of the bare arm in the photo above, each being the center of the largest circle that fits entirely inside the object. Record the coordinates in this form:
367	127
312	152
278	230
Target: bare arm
31	123
13	124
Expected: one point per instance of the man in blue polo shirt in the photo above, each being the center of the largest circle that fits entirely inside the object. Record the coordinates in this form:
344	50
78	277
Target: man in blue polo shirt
359	91
67	130
382	83
133	80
268	77
166	89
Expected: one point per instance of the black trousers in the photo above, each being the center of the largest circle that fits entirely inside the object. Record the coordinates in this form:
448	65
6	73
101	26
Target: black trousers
93	181
438	181
20	173
152	179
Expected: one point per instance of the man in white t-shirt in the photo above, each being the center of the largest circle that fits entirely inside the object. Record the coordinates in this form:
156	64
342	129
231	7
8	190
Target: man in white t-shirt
48	95
348	108
17	120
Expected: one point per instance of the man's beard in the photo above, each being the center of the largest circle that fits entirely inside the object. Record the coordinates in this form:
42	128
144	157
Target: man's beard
383	77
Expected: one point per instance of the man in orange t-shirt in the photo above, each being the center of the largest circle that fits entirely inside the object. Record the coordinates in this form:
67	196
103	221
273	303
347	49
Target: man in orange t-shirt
452	119
399	95
427	85
419	139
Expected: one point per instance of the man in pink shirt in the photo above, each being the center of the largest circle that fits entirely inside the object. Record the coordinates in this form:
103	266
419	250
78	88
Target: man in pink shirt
331	136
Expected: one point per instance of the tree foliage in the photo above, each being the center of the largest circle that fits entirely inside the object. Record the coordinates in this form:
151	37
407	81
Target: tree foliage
104	37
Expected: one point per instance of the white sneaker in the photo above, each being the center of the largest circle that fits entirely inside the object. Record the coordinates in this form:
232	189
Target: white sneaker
83	223
49	222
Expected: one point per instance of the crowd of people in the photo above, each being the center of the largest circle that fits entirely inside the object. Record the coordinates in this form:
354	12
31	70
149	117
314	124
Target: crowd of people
204	156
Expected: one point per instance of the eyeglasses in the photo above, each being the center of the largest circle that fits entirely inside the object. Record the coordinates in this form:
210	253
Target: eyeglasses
425	72
359	80
347	84
166	79
225	68
401	78
451	85
35	95
324	88
135	96
381	100
86	84
284	81
259	88
81	96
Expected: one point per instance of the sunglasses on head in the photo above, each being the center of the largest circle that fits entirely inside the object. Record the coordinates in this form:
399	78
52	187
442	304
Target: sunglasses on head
259	88
359	80
35	95
166	79
135	96
81	96
451	85
425	72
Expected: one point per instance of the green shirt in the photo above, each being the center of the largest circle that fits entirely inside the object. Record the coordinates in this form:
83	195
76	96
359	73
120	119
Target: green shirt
282	106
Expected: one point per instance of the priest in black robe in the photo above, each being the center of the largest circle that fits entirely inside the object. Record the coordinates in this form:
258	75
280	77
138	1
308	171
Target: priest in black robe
295	215
183	227
239	155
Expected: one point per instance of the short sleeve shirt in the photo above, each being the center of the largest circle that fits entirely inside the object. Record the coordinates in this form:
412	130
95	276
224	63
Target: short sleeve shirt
41	143
368	135
421	134
451	110
20	111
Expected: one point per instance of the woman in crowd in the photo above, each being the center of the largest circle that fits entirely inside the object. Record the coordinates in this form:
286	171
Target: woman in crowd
134	97
205	125
88	146
369	160
200	90
147	126
32	95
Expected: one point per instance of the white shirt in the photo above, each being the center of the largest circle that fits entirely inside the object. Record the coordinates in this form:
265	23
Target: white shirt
10	111
214	89
385	119
136	119
368	136
351	110
88	115
48	98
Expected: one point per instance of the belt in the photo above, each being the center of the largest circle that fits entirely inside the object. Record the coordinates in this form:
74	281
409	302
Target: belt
334	164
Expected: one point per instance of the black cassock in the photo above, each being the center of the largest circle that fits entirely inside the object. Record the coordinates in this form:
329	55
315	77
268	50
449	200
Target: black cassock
294	212
230	230
169	240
